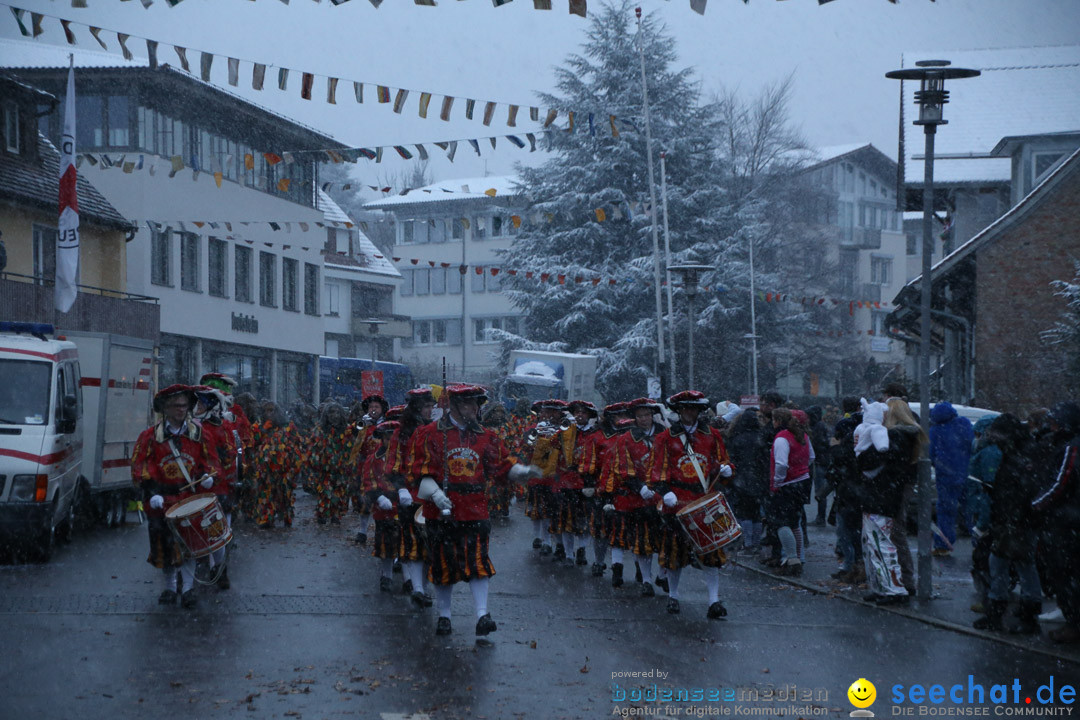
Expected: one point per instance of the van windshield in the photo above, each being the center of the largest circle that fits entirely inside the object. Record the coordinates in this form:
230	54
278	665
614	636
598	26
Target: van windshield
24	392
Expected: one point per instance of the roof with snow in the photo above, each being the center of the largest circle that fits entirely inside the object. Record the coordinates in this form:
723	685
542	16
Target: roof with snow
367	257
1017	214
458	189
1022	91
331	210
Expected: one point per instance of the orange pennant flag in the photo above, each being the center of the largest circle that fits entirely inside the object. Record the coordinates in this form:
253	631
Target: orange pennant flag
601	216
283	184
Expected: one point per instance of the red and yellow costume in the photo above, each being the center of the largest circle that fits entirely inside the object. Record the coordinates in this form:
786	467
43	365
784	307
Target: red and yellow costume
330	470
277	462
374	475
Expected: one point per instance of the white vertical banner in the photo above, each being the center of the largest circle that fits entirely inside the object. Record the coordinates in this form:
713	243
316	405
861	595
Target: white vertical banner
67	242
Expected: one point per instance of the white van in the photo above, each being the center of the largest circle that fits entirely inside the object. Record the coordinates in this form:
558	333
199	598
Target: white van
40	435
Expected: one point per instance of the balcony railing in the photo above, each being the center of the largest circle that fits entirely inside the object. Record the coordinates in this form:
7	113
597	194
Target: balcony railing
30	298
399	326
860	238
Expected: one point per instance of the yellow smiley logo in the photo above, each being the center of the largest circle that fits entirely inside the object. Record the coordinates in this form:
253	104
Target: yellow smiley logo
862	693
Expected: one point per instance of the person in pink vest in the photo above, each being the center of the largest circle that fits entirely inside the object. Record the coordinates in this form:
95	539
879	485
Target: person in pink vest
789	472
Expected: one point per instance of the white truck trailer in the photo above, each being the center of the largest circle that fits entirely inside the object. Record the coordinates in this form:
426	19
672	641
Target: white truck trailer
535	375
71	408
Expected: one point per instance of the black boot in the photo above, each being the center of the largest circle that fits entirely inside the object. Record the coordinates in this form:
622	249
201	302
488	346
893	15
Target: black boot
485	625
662	583
995	609
616	575
223	579
581	557
560	552
536	543
1028	616
637	572
442	626
598	569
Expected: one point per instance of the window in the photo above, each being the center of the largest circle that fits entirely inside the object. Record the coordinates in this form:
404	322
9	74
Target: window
849	178
422	332
407	232
512	324
118	121
161	257
479	228
422	281
457	229
862	215
45	252
482	326
242	273
311	289
289	271
333	299
880	270
453	281
216	253
88	129
437	332
497	224
406	283
438	281
189	261
478	279
12	130
877	322
1041	163
267	275
437	231
421	231
494	281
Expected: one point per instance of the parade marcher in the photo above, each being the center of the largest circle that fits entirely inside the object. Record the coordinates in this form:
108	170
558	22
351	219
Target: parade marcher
328	464
277	462
454	460
375	475
601	518
211	407
171	462
374	407
236	421
1058	511
496	419
576	479
635	519
689	460
542	451
412	549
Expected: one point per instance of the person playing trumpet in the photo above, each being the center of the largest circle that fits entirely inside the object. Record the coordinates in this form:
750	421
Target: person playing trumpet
171	462
543	440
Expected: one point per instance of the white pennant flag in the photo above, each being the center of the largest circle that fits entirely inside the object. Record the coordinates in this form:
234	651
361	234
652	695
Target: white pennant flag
67	242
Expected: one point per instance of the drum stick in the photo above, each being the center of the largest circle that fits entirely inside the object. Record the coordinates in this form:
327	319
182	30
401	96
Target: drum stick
193	483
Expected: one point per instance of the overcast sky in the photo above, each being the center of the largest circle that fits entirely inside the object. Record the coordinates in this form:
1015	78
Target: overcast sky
838	53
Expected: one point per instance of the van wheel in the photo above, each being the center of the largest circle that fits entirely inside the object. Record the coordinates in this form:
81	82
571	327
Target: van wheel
46	542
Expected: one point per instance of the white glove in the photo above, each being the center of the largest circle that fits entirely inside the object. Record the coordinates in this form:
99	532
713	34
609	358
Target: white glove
588	492
384	503
725	470
521	473
609	508
207	483
404	497
157	502
442	502
670	499
646	493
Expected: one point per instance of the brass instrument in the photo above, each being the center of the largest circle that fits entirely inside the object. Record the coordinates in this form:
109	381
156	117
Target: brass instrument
545	430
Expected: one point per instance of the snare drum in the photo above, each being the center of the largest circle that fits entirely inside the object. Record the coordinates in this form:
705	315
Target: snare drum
709	523
199	525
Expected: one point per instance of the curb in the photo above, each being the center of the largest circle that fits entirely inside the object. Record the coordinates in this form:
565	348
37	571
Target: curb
936	622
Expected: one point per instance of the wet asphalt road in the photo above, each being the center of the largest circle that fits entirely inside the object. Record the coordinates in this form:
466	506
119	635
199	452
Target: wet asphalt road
305	633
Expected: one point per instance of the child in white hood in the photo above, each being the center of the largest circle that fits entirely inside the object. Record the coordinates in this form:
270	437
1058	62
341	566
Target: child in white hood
871	432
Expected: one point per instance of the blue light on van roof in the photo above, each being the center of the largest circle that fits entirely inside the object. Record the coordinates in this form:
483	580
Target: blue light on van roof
28	328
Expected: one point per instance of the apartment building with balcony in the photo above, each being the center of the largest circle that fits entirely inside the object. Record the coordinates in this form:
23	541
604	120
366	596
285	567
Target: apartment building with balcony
232	243
448	238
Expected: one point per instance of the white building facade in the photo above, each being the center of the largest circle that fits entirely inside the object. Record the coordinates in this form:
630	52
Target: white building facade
448	239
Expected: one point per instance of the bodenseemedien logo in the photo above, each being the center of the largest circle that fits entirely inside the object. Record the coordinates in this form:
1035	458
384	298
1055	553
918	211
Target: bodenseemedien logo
862	694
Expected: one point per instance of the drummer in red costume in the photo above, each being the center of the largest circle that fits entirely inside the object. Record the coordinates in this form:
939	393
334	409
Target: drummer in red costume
164	453
577	478
374	475
453	461
687	457
236	421
211	408
412	550
374	407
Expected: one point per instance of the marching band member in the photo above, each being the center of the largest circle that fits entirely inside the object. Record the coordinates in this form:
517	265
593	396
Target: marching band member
168	461
376	477
576	477
210	408
236	422
374	407
412	550
688	457
600	520
635	523
328	464
454	460
544	455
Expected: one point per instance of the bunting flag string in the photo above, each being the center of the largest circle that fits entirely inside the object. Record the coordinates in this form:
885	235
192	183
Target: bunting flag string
384	93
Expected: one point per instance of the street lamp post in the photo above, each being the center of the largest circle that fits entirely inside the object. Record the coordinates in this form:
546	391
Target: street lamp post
690	274
931	98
